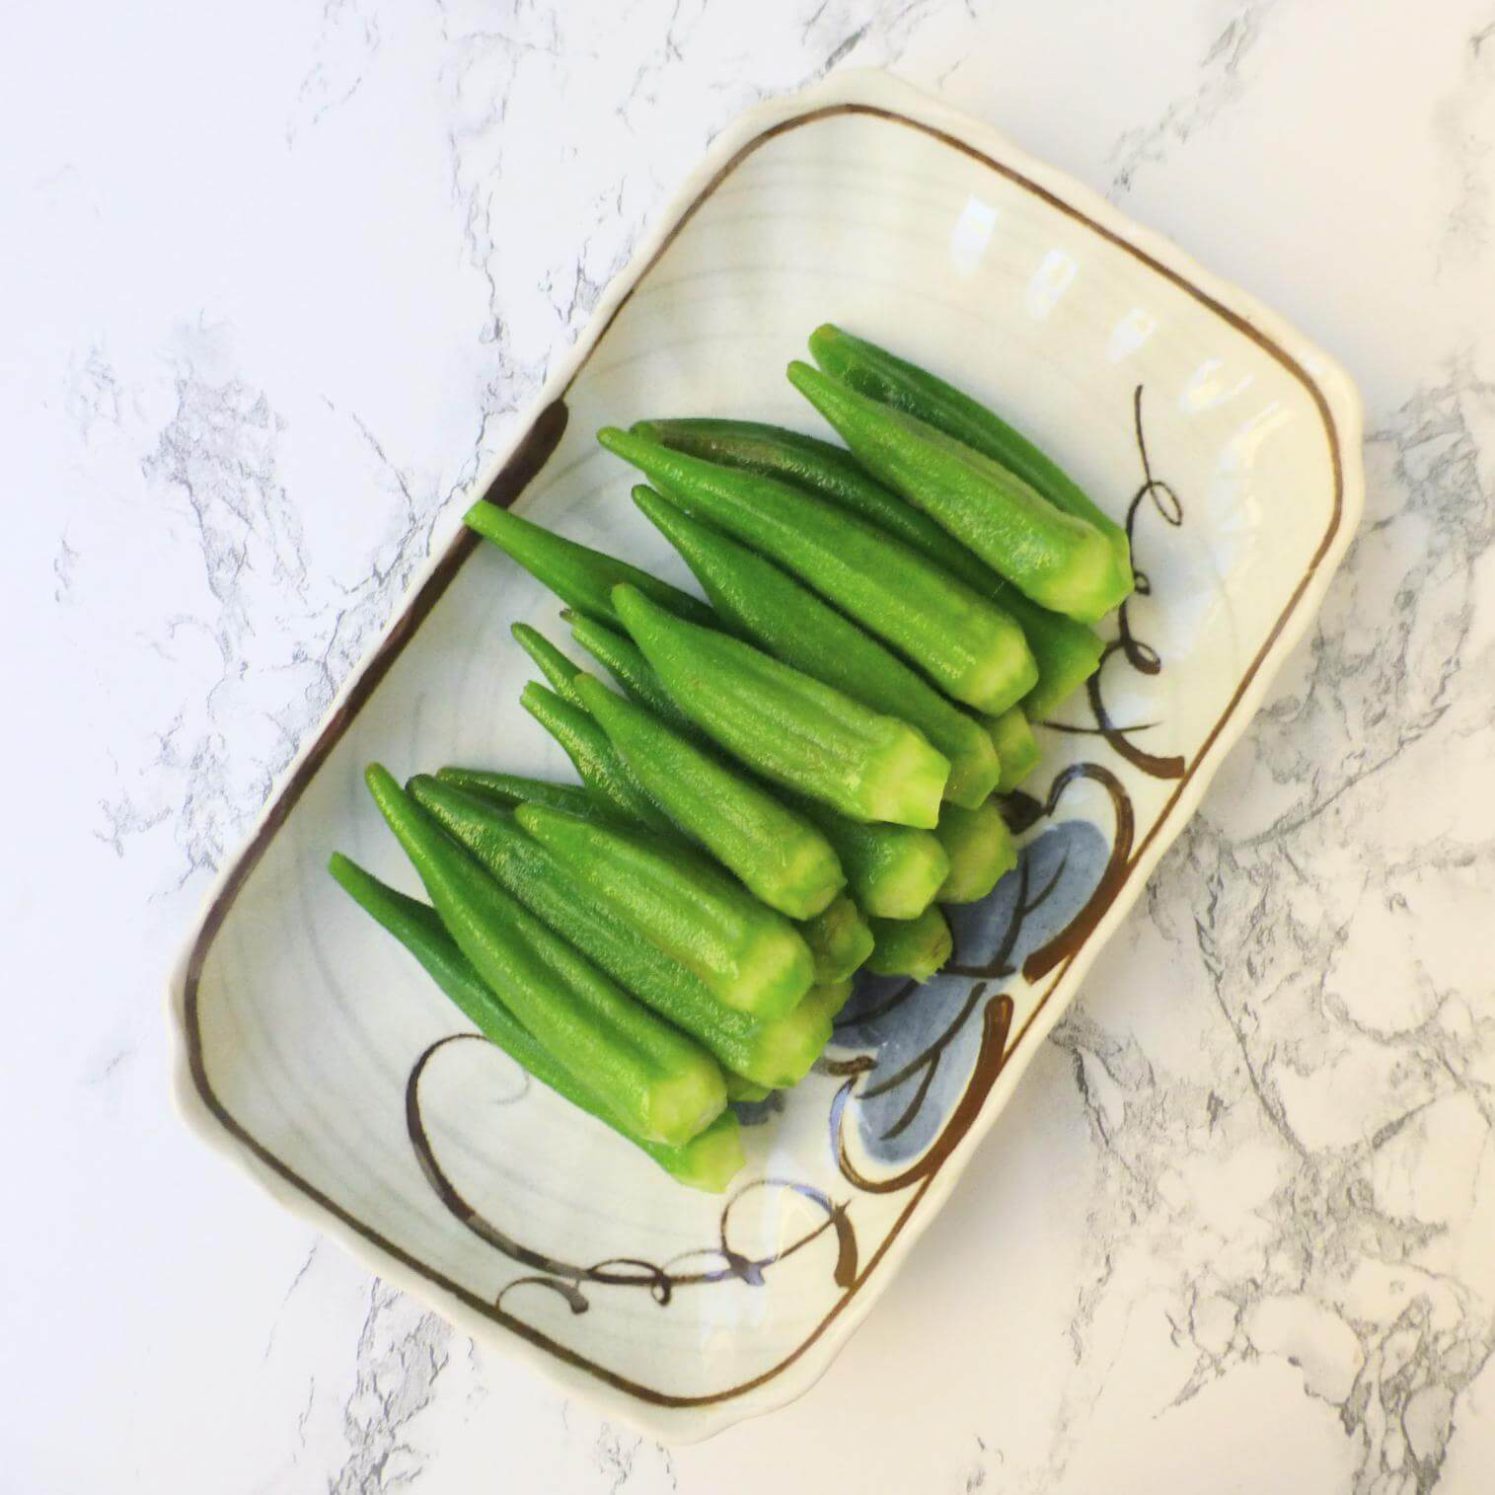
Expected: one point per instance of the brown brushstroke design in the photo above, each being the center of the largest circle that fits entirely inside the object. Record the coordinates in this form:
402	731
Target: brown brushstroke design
1140	656
566	1278
996	1023
1067	942
1022	813
527	460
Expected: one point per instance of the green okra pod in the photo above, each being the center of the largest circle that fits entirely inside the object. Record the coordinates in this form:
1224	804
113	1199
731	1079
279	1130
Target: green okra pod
750	956
911	947
740	1088
980	848
1067	653
1061	562
510	789
1017	747
795	625
787	725
778	854
620	656
661	1084
559	671
581	577
875	372
593	755
839	941
775	1053
892	871
965	643
708	1161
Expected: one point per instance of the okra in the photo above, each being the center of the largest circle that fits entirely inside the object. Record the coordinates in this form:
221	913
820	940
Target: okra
740	1088
831	999
1066	653
1061	562
661	1084
750	956
557	669
794	625
893	381
787	725
806	461
620	656
964	643
892	871
580	576
510	789
778	854
980	848
827	470
839	941
1016	746
708	1161
776	1052
587	745
911	947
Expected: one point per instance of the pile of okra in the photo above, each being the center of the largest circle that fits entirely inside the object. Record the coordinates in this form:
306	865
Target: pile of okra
785	782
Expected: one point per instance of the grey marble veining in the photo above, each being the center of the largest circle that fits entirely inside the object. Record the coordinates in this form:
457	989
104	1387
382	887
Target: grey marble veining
283	279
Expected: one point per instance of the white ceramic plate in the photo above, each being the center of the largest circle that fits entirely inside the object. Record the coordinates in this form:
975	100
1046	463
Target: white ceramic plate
318	1056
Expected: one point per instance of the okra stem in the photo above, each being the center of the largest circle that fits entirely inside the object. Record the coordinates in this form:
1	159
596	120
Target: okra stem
911	947
1016	746
980	848
839	940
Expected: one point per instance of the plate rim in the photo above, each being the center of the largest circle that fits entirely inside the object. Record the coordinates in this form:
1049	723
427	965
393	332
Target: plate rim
507	475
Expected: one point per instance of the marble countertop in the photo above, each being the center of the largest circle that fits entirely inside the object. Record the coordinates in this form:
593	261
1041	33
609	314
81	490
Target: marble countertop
280	278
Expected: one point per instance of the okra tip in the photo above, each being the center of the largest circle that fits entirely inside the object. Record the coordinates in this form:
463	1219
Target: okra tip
801	372
382	783
422	787
616	439
494	522
823	336
627	599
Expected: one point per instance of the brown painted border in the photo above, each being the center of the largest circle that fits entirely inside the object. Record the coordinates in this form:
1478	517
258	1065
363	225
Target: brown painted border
526	462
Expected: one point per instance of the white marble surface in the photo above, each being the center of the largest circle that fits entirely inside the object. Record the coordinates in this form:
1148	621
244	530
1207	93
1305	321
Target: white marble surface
278	277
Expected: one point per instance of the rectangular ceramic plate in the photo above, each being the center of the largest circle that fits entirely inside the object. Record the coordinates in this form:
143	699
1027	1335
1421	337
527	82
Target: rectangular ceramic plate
316	1054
